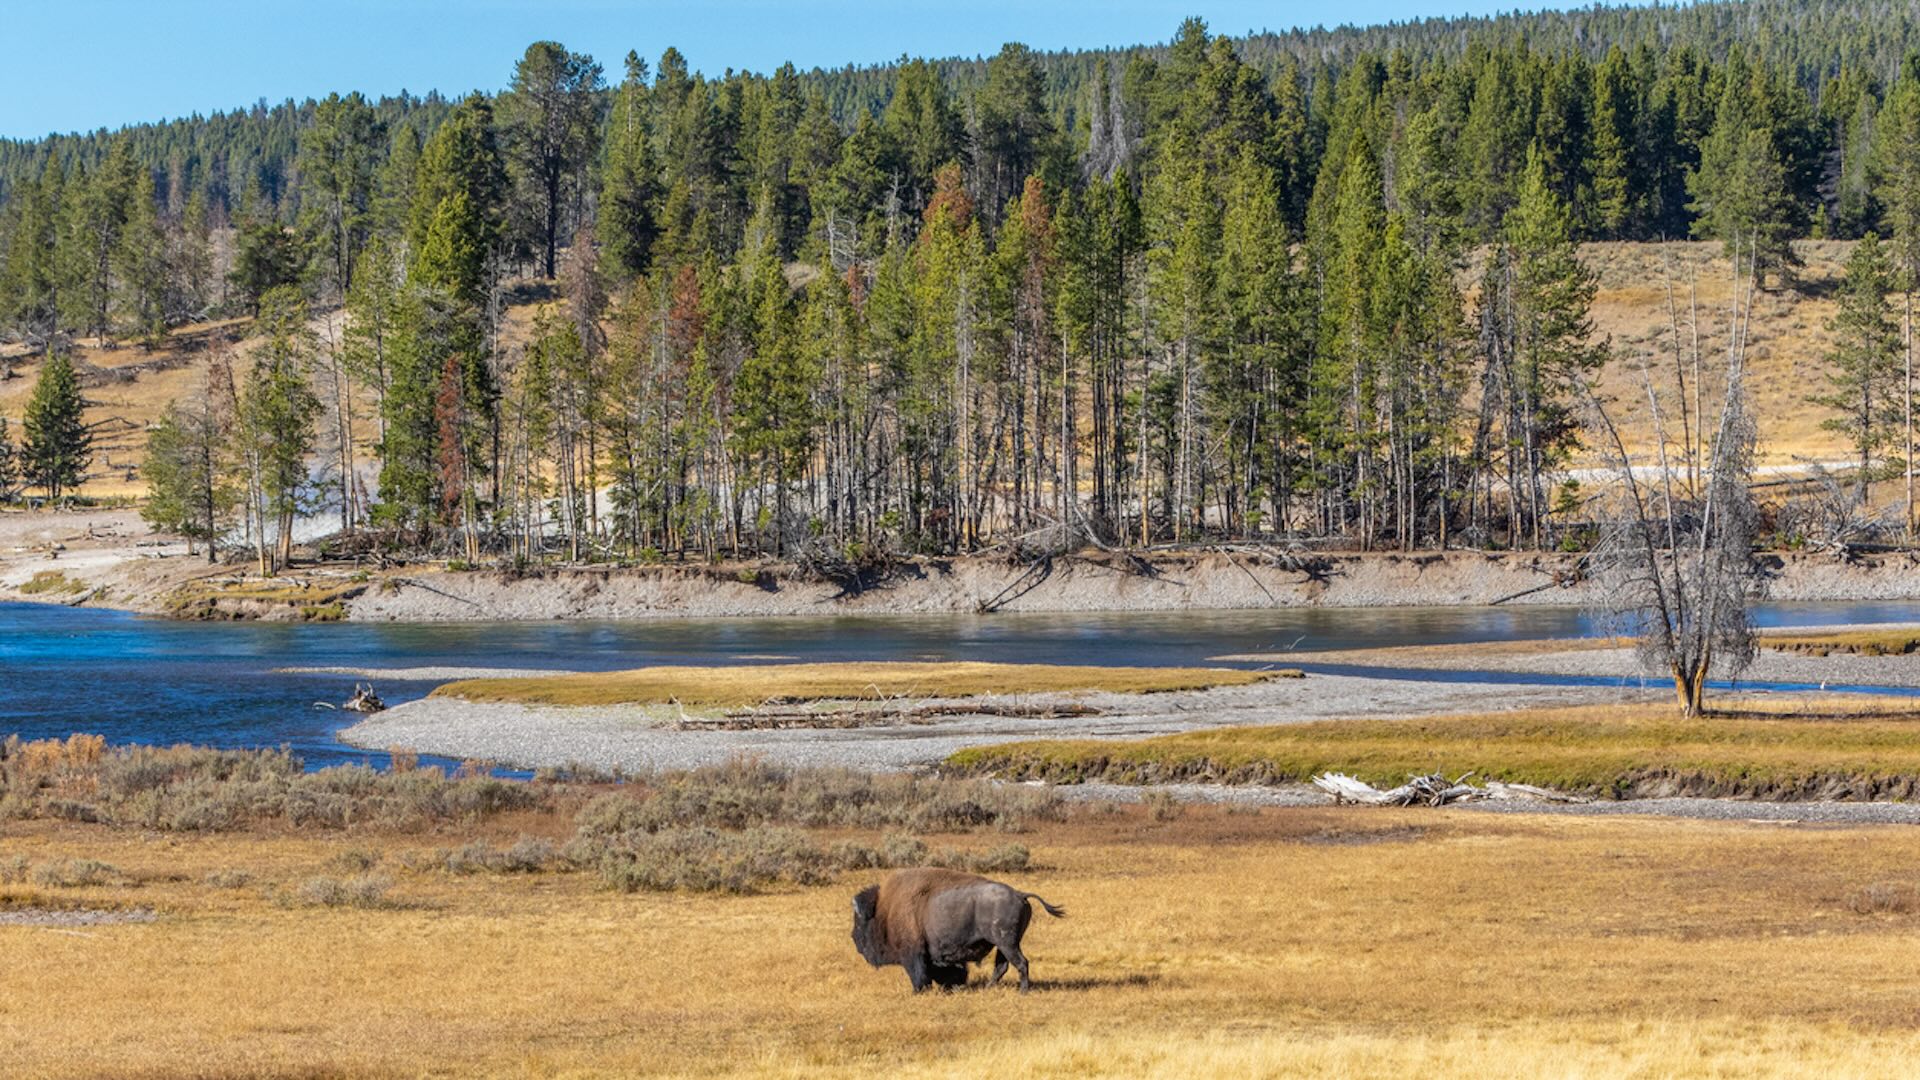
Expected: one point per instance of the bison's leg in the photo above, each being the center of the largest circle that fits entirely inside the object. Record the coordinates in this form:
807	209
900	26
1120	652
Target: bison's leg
999	967
1012	954
919	971
949	976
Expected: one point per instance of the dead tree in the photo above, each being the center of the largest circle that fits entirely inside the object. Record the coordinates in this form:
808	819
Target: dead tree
1676	559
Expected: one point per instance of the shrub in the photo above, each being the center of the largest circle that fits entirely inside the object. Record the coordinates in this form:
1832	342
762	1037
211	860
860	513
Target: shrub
1884	898
227	879
528	855
364	891
1162	806
745	793
355	860
188	788
77	873
705	859
13	869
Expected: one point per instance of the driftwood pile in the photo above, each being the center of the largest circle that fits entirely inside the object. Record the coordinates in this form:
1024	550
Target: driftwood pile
364	700
1434	790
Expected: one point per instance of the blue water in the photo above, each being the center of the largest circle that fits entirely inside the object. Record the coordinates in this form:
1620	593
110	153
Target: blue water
135	679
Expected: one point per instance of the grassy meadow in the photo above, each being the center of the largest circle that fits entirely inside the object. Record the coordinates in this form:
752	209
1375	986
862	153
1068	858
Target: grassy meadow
1846	748
1335	942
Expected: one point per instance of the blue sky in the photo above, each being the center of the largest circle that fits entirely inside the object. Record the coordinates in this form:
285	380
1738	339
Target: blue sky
83	64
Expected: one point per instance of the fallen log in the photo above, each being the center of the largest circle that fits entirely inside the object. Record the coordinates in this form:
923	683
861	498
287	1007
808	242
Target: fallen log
1433	790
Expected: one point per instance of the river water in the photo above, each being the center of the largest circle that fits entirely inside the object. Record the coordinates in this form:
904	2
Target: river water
136	679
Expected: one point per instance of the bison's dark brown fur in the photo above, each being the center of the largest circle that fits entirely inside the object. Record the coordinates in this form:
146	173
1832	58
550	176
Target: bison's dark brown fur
936	922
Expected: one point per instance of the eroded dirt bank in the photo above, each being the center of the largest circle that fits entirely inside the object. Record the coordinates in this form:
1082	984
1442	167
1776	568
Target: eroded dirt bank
109	558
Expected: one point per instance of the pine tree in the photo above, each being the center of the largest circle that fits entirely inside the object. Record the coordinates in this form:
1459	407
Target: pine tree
275	430
189	283
1537	336
393	184
461	157
187	494
550	119
1896	171
94	211
1740	190
773	433
9	465
630	182
58	444
1619	191
30	275
140	266
266	257
337	154
1866	362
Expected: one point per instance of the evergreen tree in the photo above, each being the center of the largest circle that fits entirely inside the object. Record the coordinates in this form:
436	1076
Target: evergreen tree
461	157
275	424
140	266
1537	338
58	444
188	287
550	119
266	257
10	479
30	276
337	155
94	212
1619	186
187	493
629	185
393	184
1896	173
1012	132
1740	190
1866	364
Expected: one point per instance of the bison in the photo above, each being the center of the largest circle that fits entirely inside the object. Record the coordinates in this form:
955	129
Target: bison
936	922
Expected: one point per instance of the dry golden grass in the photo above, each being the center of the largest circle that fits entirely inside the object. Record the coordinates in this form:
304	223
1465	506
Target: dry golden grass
1763	750
1278	943
1787	337
1893	641
729	687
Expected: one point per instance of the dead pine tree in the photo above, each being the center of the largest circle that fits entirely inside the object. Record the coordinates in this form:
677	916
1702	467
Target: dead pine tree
1675	559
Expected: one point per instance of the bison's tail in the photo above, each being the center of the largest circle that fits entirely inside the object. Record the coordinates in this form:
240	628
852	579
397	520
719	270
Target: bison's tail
1056	912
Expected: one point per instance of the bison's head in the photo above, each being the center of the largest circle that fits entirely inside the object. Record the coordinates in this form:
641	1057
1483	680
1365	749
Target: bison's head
865	903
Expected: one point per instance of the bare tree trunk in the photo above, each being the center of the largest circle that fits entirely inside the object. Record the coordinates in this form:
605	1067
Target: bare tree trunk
1906	400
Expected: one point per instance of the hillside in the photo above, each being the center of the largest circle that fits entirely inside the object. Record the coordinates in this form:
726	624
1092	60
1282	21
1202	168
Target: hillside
128	386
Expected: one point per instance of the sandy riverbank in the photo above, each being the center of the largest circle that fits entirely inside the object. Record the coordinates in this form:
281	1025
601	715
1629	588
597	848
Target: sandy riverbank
643	737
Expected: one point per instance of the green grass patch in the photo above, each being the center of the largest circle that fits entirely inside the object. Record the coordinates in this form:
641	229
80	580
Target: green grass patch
1895	641
734	687
1617	752
316	601
50	583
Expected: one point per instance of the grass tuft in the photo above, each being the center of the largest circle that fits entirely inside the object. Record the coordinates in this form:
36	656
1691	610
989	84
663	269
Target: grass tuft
51	583
78	874
367	891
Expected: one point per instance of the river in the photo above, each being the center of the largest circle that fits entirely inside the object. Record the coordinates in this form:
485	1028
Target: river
137	679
